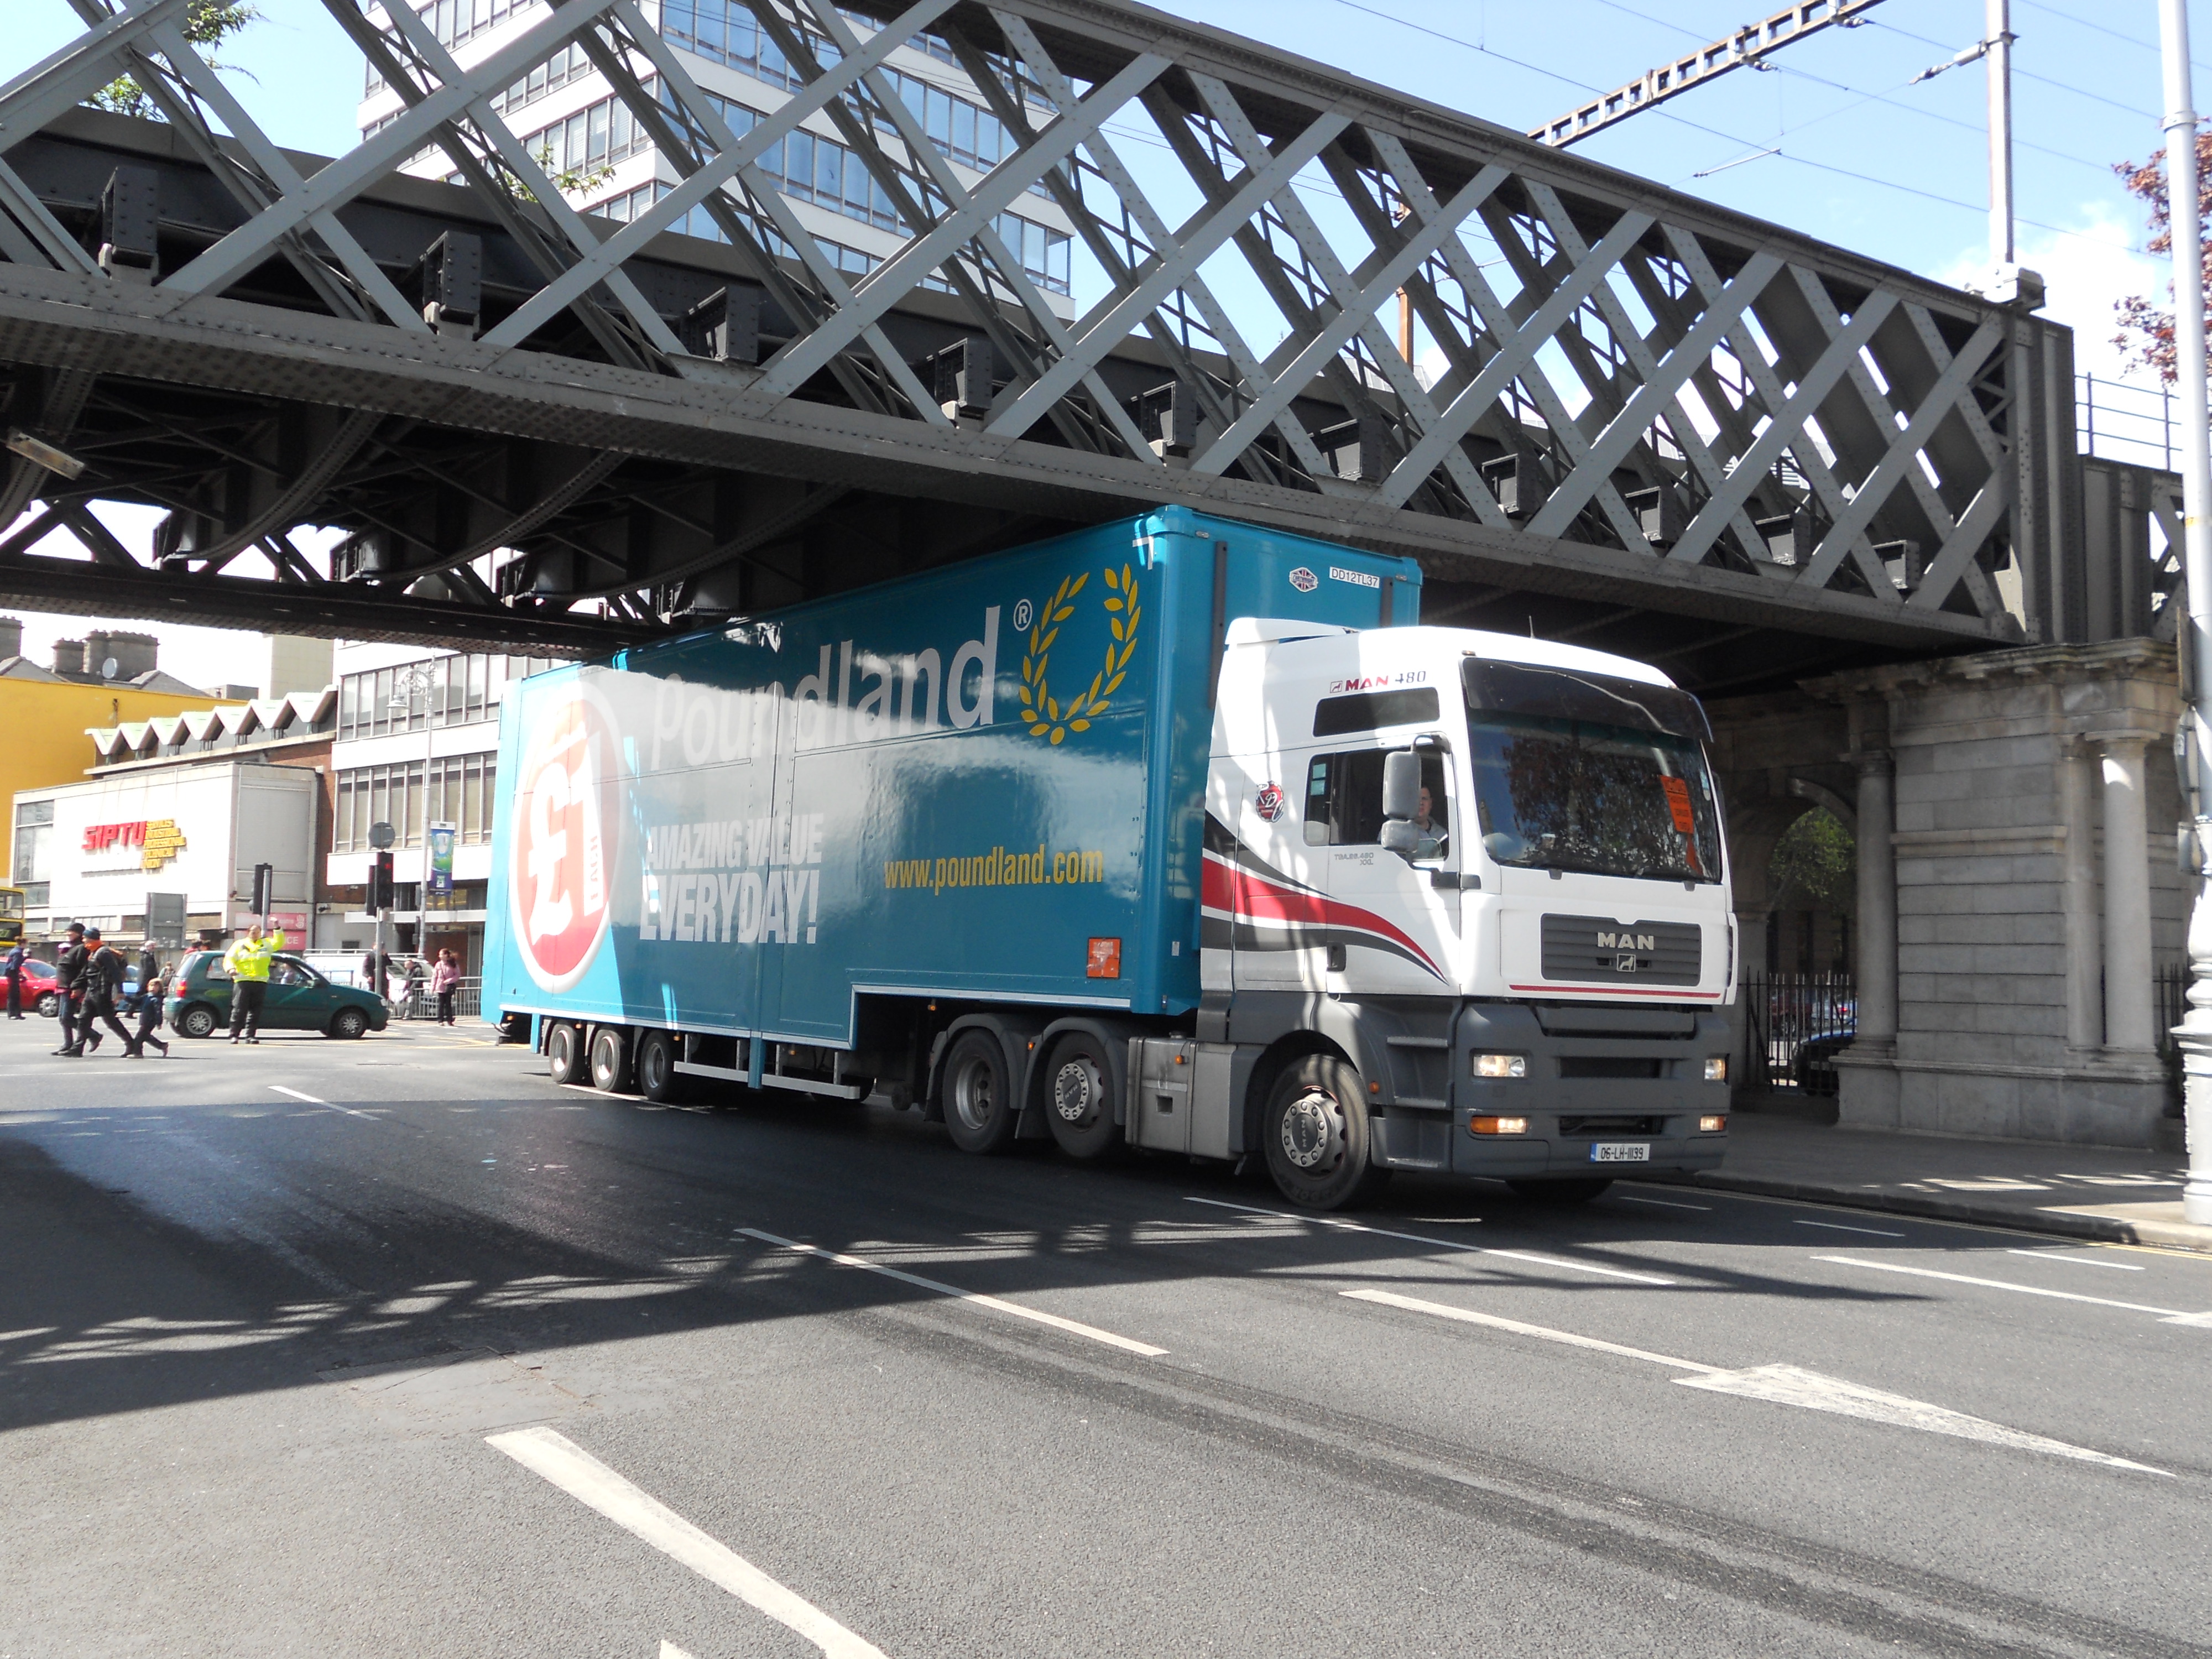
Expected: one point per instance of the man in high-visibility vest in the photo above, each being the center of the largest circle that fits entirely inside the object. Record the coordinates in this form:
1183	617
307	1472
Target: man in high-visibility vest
248	962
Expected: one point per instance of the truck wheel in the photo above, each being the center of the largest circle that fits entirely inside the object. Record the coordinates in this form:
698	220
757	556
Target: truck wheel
1571	1190
1079	1098
1317	1135
658	1079
610	1060
197	1021
564	1052
979	1098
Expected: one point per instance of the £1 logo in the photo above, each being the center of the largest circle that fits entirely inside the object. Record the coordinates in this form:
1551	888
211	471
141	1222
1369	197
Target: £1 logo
566	813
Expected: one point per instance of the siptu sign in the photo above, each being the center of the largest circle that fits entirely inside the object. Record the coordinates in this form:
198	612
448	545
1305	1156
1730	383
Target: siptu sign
157	840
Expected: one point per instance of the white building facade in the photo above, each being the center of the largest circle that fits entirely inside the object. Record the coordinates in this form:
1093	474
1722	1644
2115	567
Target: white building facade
568	119
417	745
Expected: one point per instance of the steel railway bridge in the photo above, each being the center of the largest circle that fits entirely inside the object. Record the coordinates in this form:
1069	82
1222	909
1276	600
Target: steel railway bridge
1646	423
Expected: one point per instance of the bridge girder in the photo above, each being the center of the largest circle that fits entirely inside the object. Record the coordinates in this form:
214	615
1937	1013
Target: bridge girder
1640	410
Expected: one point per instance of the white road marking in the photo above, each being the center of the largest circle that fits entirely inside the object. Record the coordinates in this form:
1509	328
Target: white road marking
2167	1315
582	1476
1838	1227
2078	1261
1343	1226
1672	1204
1468	1316
670	1651
1072	1326
325	1104
1784	1385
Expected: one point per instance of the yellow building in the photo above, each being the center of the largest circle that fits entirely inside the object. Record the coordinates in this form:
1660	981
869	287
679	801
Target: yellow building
101	680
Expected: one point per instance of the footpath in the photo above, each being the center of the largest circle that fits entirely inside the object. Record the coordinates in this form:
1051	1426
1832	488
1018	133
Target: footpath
2108	1194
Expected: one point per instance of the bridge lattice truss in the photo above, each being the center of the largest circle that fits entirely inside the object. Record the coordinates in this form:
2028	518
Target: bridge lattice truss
1627	395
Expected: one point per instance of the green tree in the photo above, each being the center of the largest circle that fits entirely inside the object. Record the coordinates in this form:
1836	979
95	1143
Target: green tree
1816	865
207	24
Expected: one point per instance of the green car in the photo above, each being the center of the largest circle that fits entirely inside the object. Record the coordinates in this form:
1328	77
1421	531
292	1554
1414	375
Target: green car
299	999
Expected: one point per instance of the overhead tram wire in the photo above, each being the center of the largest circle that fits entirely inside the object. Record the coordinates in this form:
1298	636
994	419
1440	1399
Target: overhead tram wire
2021	74
1666	114
1888	99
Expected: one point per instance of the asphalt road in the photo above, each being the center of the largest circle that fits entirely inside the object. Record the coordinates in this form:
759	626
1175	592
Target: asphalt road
395	1347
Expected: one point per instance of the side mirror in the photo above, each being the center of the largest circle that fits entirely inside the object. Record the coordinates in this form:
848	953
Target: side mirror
1402	784
1400	837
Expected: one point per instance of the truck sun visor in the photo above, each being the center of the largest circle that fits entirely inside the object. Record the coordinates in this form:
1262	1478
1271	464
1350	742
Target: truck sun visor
1365	711
1576	694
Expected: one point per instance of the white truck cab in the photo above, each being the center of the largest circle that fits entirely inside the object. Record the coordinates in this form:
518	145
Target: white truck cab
1481	882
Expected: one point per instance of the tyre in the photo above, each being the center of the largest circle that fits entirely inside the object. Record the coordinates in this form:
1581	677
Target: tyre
1079	1096
1318	1137
564	1052
979	1095
348	1024
197	1021
1571	1189
50	1004
658	1079
610	1060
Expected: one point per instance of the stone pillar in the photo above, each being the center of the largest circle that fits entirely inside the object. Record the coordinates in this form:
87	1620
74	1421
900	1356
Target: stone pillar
1876	990
2085	956
2128	1006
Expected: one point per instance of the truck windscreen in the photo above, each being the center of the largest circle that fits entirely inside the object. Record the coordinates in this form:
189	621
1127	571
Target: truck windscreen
1561	791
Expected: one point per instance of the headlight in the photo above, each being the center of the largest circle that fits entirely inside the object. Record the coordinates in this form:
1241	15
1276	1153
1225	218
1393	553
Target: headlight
1714	1125
1716	1069
1501	1065
1498	1126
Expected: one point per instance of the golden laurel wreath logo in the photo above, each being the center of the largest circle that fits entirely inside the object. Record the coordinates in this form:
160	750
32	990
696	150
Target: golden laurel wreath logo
1040	710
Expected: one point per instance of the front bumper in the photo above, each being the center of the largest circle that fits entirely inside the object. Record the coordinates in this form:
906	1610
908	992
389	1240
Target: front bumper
1641	1084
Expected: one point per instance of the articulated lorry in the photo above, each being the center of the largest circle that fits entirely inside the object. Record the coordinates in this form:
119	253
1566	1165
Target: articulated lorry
1176	832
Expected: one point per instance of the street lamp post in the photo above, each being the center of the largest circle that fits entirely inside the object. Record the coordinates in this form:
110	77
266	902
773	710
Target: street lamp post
2195	1032
419	679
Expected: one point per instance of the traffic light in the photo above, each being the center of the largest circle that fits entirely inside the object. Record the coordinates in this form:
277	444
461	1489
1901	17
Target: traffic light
381	894
265	888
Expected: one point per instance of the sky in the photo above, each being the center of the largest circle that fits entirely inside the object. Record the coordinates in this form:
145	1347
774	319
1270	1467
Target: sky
1834	140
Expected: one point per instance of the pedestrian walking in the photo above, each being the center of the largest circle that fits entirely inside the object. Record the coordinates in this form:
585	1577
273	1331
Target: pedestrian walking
443	978
67	966
248	958
101	983
12	965
414	987
151	993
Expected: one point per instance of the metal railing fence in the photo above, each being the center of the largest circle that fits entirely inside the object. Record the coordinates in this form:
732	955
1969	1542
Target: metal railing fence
418	1002
1793	1024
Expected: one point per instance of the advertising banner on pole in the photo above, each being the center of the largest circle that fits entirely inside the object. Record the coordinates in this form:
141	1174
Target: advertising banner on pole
441	859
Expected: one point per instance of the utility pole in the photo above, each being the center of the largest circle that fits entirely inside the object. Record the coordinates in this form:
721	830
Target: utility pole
1997	43
2195	1032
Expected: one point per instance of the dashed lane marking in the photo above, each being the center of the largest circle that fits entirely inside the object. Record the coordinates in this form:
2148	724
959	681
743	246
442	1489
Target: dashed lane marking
325	1104
1838	1227
1781	1385
2165	1315
1663	1203
1342	1225
582	1476
1072	1326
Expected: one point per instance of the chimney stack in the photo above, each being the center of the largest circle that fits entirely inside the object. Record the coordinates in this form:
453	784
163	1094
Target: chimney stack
69	657
11	637
132	655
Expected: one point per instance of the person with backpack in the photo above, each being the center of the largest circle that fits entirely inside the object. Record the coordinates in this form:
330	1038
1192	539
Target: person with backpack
100	982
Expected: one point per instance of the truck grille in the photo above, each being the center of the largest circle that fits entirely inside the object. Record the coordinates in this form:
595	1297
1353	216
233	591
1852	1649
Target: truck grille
1597	949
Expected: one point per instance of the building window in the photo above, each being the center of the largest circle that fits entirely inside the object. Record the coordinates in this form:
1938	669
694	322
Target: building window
461	690
370	795
34	834
461	794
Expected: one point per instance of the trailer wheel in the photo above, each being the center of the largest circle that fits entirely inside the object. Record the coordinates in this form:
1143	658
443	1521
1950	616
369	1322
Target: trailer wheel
980	1111
658	1079
610	1060
1318	1136
1079	1104
564	1052
1570	1190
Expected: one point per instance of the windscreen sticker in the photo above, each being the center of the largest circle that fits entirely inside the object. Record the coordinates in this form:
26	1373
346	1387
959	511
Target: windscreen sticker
1678	801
